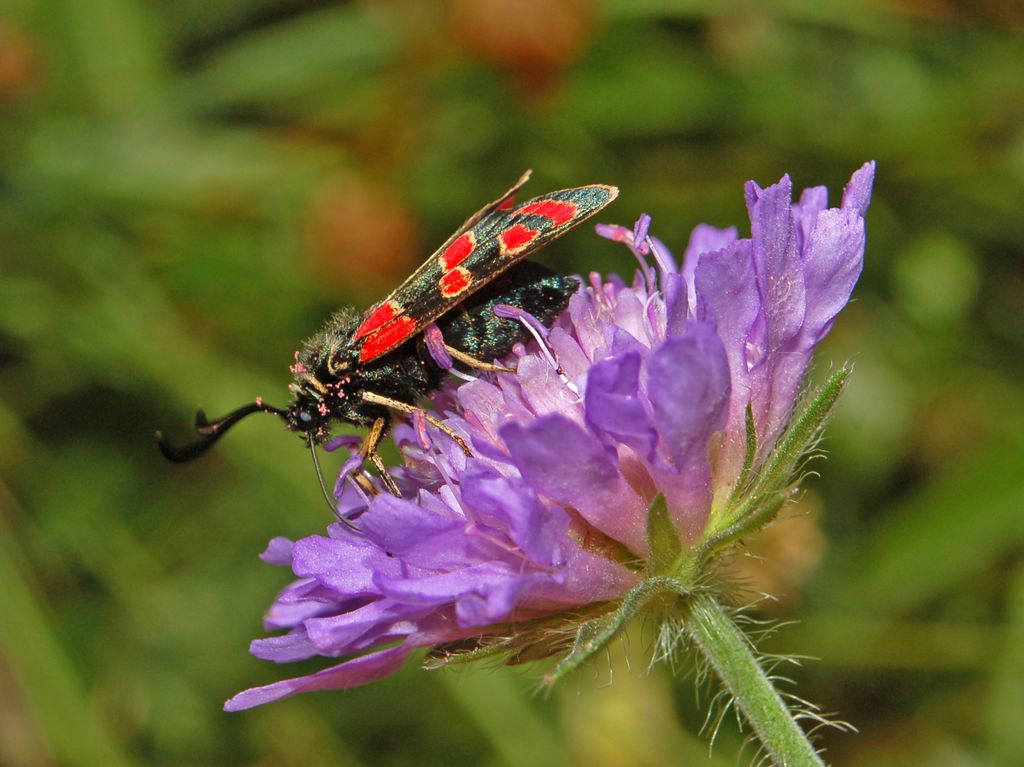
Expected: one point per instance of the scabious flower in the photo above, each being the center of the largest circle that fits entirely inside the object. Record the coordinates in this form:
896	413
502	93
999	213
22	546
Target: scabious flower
646	429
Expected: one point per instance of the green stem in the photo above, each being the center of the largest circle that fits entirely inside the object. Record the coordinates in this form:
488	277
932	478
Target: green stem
730	653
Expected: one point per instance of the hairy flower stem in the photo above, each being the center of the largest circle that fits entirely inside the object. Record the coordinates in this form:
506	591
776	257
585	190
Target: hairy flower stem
730	653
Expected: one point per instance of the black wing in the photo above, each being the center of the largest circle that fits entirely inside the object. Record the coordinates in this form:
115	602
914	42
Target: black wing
489	242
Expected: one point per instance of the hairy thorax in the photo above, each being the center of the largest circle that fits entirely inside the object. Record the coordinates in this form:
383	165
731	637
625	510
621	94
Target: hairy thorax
329	379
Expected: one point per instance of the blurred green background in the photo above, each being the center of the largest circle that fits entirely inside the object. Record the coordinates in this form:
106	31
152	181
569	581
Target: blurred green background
188	187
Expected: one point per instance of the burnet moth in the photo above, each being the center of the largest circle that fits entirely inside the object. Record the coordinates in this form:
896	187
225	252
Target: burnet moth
360	369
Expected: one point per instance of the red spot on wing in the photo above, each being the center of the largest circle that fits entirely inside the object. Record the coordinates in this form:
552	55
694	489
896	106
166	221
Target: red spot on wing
515	238
455	281
559	212
384	313
507	203
387	338
458	251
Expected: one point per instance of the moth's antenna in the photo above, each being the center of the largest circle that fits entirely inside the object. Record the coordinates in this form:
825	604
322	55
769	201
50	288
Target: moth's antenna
211	432
323	488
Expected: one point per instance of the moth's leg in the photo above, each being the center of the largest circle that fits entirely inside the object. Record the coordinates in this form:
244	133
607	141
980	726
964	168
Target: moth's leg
473	362
369	450
442	353
404	407
364	484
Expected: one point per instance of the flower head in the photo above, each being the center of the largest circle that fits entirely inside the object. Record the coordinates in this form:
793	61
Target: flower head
667	393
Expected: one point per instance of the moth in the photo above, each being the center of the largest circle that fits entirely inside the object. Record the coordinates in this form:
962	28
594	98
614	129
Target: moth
361	368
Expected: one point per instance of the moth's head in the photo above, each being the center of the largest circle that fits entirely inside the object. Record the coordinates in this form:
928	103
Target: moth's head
309	415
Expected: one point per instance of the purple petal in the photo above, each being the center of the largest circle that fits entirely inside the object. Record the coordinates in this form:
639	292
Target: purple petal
832	263
570	466
296	602
614	406
589	577
727	297
630	319
779	273
587	320
511	505
342	440
619	342
338	634
663	256
640	230
514	404
398	525
614	232
352	502
353	463
285	615
442	587
486	402
495	604
813	201
857	194
483	593
284	649
677	303
569	354
542	388
416	535
344	566
705	239
278	551
352	673
688	384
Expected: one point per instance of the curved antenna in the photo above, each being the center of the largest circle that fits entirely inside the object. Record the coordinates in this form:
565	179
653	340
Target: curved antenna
323	488
211	432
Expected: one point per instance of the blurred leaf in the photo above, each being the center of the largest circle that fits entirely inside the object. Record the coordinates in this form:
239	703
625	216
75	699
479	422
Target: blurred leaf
861	642
860	15
937	279
143	164
118	50
28	641
329	47
957	527
1005	735
620	96
499	705
625	714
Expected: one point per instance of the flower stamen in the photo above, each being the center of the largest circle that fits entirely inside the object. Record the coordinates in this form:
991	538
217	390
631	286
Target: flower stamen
540	333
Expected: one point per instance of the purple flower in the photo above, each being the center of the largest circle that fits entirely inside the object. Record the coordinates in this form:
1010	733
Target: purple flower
638	392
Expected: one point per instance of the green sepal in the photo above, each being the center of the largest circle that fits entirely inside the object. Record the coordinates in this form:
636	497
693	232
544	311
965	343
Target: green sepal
438	658
663	541
593	635
749	456
756	507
